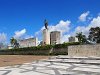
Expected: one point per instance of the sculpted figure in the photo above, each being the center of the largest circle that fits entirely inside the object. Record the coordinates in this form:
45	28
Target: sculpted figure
46	24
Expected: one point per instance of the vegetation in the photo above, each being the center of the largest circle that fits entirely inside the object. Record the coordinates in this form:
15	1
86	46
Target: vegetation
14	42
81	38
40	50
94	34
65	45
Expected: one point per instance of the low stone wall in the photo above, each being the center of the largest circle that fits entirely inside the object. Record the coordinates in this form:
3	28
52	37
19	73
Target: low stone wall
60	51
84	50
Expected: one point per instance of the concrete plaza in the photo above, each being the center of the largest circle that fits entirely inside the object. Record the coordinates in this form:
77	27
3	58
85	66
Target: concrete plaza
56	65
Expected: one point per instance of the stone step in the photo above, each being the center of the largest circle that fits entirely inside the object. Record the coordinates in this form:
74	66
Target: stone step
80	58
74	62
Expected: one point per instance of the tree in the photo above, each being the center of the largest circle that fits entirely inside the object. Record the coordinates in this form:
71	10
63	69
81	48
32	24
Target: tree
81	37
14	42
94	34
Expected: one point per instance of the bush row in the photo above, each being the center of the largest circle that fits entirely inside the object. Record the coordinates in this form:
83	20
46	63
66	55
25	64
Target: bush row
59	49
65	45
47	47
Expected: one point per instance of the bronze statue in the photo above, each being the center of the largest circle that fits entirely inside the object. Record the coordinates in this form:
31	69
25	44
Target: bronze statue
46	23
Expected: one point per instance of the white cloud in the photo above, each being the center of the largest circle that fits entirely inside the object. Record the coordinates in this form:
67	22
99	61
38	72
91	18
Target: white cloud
85	29
89	18
22	34
62	26
83	16
64	38
3	37
19	34
95	22
28	36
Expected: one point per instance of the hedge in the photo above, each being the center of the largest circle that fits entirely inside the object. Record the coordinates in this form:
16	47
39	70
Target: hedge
59	49
65	45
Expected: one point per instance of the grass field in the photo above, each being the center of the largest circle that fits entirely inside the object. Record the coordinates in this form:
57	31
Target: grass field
9	60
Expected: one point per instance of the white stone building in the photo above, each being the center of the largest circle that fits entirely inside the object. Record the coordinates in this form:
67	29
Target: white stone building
28	42
73	39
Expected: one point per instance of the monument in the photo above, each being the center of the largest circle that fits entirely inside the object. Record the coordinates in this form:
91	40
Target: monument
46	34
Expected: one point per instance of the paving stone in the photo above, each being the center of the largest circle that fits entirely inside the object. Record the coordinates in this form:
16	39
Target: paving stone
56	65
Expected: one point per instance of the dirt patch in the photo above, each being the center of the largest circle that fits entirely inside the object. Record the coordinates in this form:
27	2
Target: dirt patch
9	60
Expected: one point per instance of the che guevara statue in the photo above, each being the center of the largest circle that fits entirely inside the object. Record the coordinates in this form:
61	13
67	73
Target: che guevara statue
46	24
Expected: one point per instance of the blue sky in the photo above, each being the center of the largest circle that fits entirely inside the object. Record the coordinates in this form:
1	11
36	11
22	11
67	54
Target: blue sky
25	18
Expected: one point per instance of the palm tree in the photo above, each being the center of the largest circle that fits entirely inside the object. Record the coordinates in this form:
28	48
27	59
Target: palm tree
14	42
81	37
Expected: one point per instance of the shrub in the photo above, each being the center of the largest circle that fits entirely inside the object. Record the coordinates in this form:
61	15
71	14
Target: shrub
40	50
65	45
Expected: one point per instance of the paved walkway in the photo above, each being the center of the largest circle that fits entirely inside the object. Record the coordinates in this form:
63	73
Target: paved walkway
58	65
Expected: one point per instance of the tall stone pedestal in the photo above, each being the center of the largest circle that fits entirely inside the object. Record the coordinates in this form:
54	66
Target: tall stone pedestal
46	37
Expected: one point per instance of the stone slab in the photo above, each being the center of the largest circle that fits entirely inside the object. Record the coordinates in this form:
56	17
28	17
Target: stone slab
53	68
